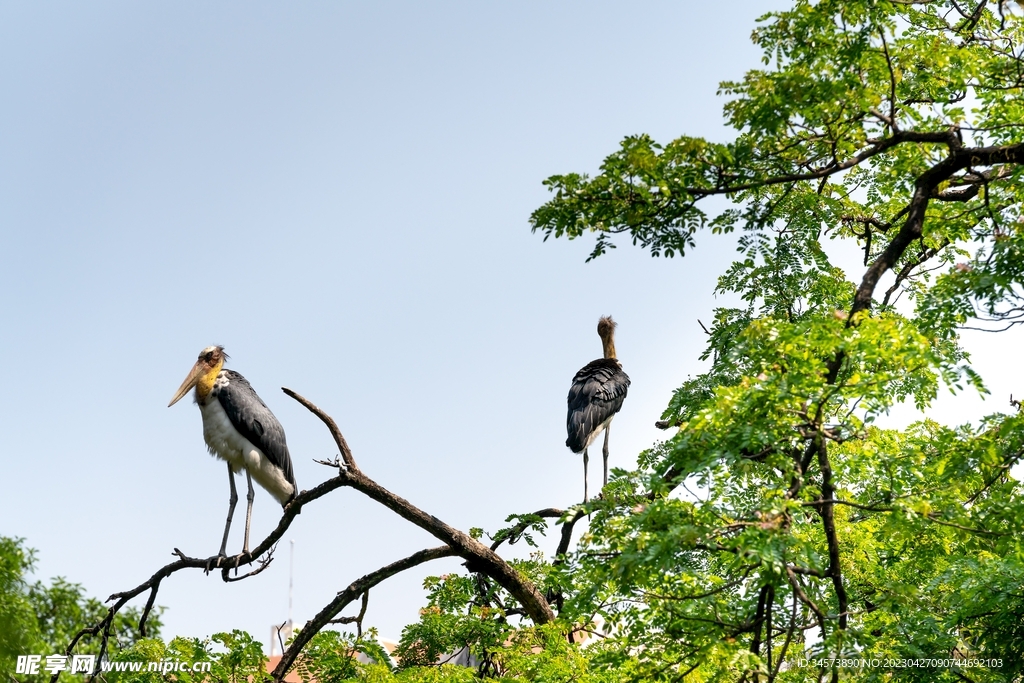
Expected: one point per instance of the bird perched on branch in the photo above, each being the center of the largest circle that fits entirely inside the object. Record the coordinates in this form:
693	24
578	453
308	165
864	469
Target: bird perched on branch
597	393
240	429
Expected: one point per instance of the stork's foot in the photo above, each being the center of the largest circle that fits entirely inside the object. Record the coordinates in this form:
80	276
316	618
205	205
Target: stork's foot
215	562
222	561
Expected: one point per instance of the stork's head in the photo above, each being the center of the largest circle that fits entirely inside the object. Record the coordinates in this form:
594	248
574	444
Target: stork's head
606	329
203	373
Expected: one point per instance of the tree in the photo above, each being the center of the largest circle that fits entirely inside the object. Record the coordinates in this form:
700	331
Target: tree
17	620
896	126
40	619
779	523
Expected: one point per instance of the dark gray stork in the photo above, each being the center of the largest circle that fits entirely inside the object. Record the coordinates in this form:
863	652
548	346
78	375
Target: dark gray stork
240	429
597	393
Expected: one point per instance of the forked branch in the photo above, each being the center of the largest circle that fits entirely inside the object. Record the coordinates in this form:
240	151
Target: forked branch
479	558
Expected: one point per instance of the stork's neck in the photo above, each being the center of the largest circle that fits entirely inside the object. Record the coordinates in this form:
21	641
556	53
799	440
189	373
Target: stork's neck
609	346
205	384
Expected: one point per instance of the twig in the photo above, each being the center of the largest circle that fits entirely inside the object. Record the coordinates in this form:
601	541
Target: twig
280	639
983	532
264	563
358	619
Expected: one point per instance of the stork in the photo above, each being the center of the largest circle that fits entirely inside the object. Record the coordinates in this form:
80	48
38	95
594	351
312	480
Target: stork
597	393
239	429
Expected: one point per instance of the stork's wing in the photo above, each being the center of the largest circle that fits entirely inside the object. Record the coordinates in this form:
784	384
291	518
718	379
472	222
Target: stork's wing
597	393
253	420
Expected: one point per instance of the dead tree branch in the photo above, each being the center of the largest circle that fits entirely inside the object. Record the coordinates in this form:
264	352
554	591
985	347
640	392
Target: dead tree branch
344	598
104	626
479	558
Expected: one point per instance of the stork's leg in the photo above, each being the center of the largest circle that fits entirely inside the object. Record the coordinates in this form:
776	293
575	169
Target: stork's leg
606	430
586	459
248	511
231	511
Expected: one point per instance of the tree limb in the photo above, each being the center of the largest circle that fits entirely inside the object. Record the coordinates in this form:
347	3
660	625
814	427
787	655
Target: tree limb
479	558
828	523
357	588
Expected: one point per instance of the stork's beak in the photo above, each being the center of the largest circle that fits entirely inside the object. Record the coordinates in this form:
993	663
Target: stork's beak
190	381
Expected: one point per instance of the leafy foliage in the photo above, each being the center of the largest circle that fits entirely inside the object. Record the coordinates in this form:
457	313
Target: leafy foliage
335	656
461	618
42	619
231	657
780	523
18	628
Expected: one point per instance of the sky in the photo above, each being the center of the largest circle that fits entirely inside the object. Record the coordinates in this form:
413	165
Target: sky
338	193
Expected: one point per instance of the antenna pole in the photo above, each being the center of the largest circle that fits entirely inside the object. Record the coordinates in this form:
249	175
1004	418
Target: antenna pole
291	578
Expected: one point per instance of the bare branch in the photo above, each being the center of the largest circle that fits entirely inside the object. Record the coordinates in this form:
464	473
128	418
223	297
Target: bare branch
358	619
479	558
185	562
339	439
970	184
148	609
358	587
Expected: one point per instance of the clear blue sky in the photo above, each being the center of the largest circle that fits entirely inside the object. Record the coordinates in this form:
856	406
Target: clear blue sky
339	194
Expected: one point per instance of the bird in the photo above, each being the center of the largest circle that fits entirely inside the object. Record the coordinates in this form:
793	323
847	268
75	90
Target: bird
239	429
597	393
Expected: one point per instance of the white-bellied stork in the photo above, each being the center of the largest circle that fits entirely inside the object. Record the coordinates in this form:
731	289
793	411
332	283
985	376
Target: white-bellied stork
597	393
240	429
